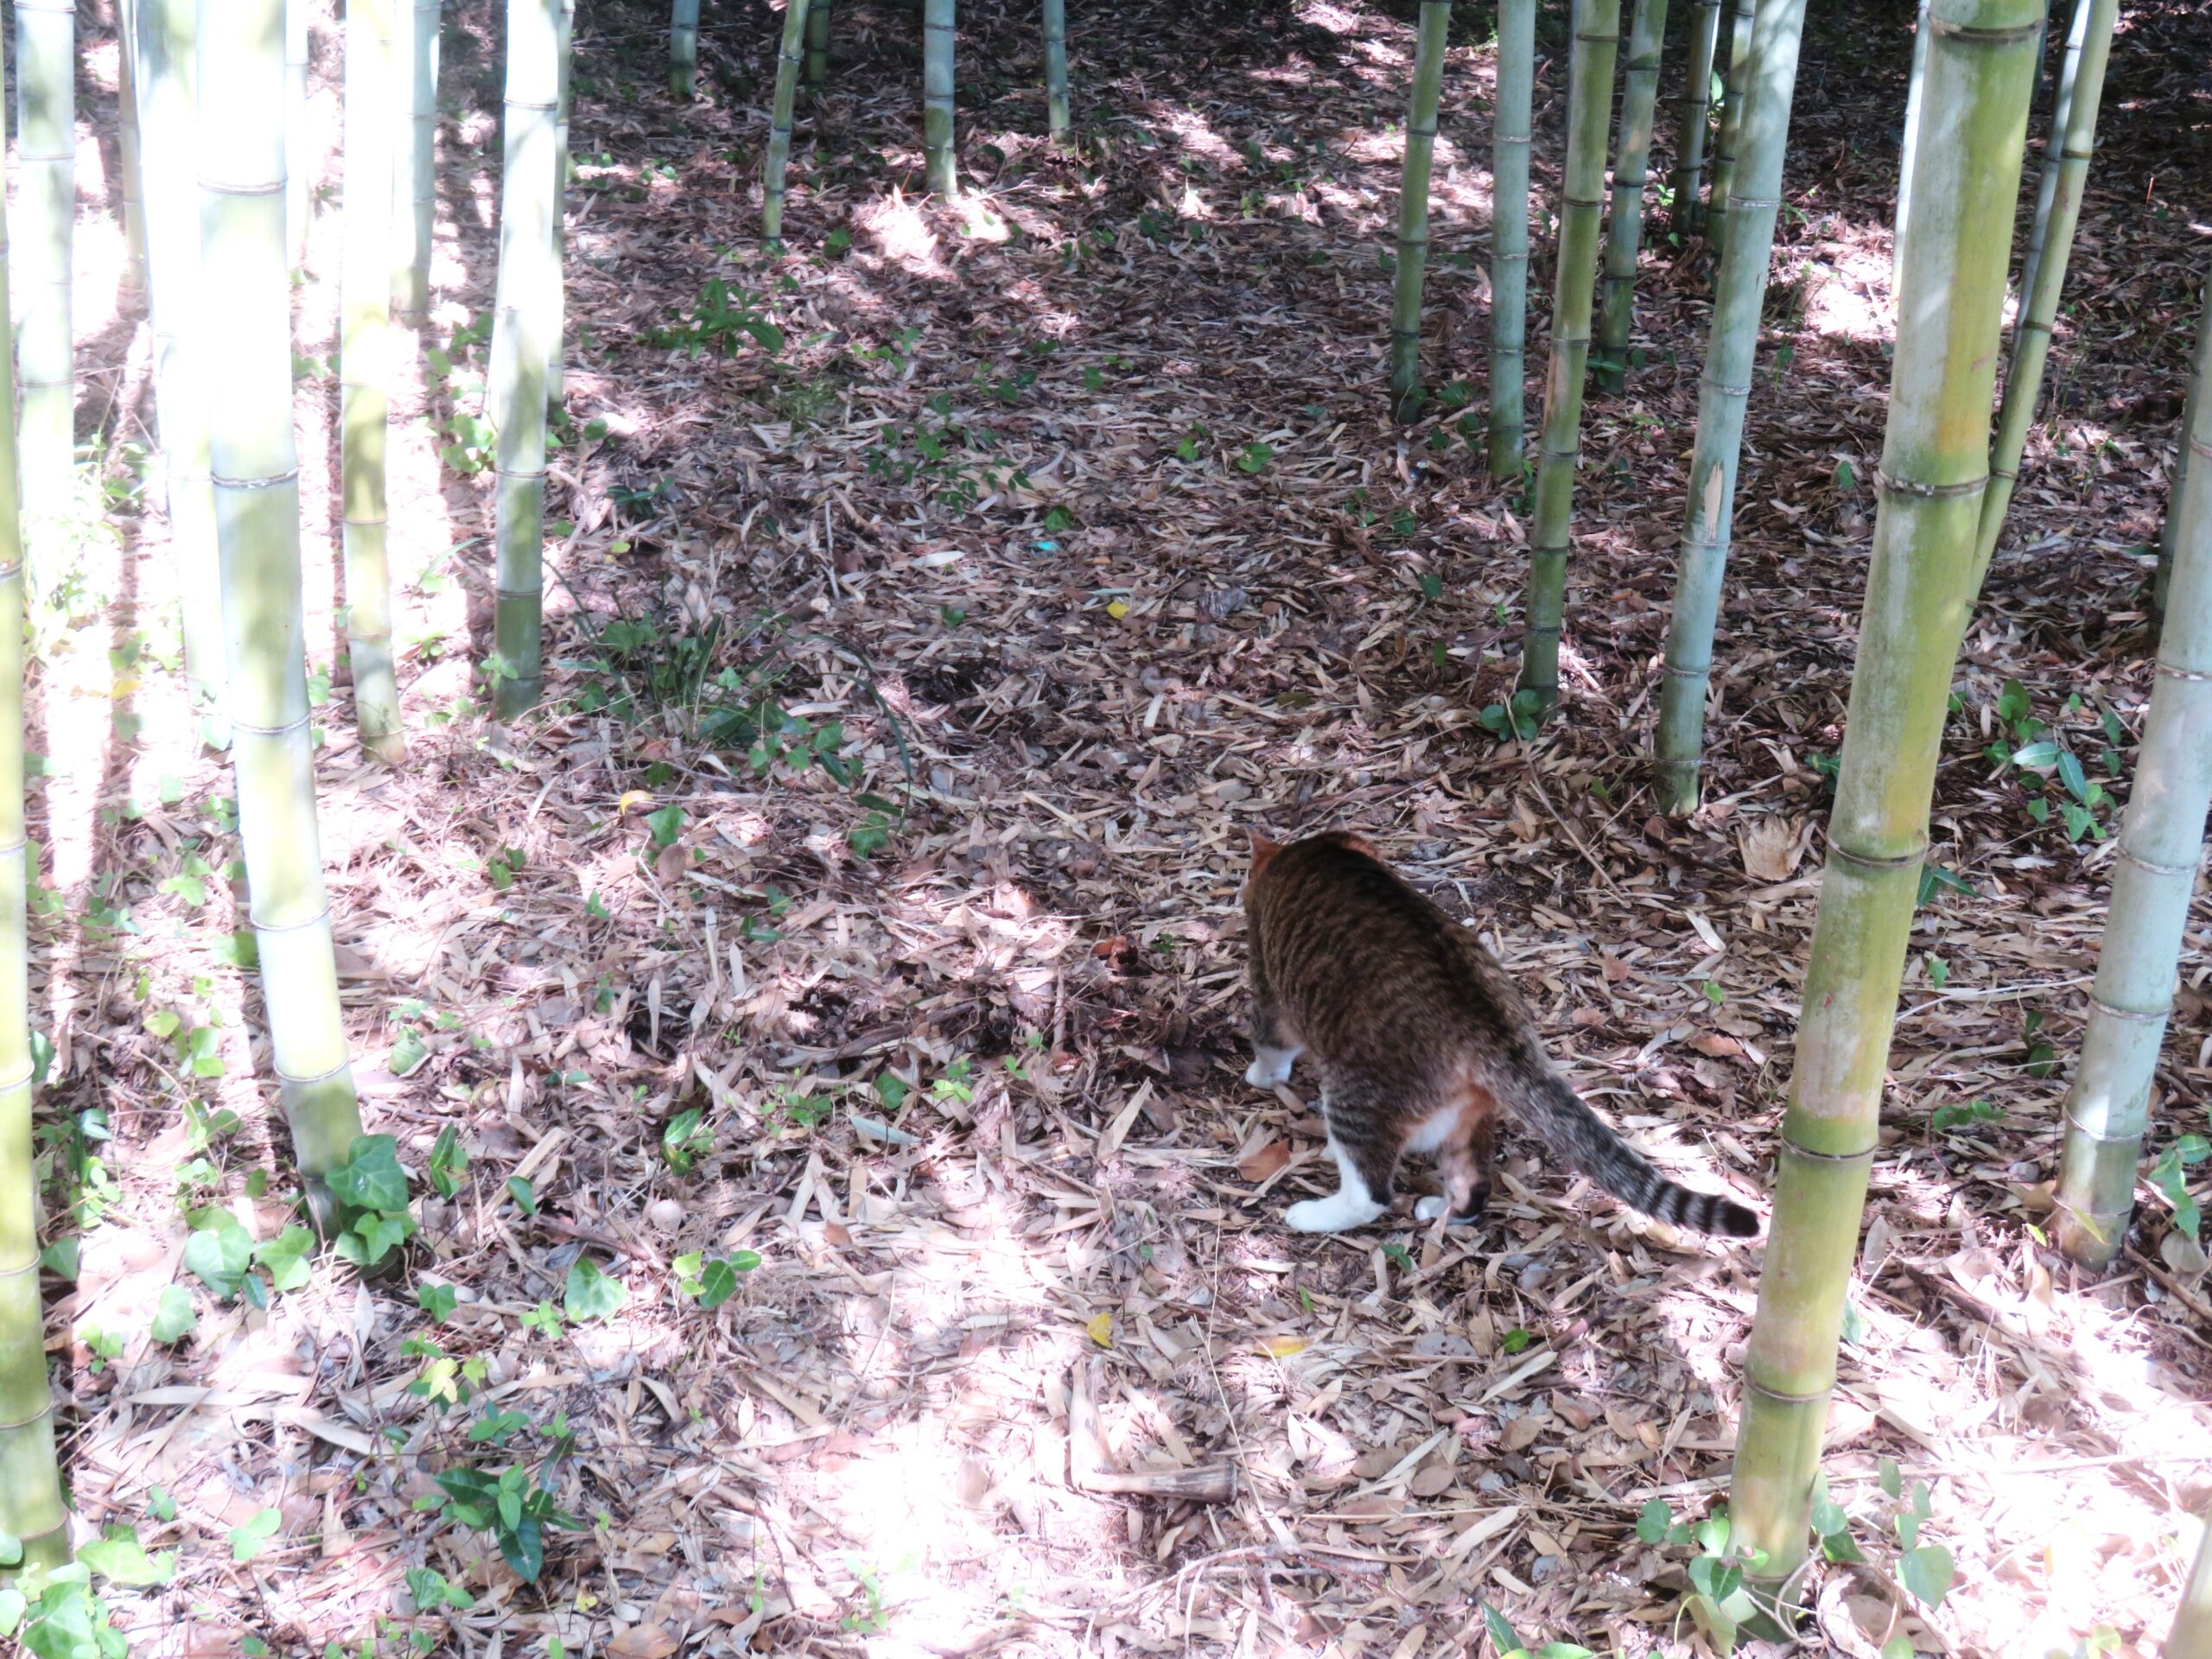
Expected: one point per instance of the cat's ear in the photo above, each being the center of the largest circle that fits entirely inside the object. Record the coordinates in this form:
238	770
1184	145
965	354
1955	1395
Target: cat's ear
1352	841
1263	850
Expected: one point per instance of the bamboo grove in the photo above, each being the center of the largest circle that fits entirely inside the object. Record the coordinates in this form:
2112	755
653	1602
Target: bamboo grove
220	201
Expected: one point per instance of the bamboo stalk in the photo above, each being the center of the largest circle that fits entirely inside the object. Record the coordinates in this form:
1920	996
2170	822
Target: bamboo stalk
1731	110
2161	843
1412	208
299	170
683	48
1508	233
818	45
127	74
2067	176
46	205
2177	481
30	1488
168	75
1905	151
1934	469
940	158
1056	69
363	372
1590	97
1624	226
2191	1636
1696	107
1746	233
556	374
2055	146
246	321
777	163
415	179
529	288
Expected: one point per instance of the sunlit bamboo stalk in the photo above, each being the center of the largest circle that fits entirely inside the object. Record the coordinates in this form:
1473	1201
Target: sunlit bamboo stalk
31	1508
2161	844
167	32
777	164
46	206
1919	592
127	74
1412	208
557	375
2041	232
1056	68
528	284
415	177
1731	111
2191	1636
683	48
364	373
245	323
1590	97
1695	117
2067	176
1912	94
940	165
299	169
1625	224
1509	233
1746	241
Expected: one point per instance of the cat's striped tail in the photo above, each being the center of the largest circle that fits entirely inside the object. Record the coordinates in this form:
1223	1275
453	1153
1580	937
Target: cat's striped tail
1547	1102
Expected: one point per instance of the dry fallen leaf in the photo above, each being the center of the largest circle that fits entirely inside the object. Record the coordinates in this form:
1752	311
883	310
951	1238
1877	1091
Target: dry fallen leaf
643	1642
1265	1163
1102	1329
1771	846
1283	1347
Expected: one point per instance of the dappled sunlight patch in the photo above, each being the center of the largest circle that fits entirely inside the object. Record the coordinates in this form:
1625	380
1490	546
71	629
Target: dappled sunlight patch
902	234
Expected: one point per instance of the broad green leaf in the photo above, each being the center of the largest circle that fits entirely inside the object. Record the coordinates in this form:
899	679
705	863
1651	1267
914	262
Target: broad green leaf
436	1300
591	1294
174	1315
219	1251
2071	775
121	1559
1927	1573
717	1284
1899	1647
371	1177
2035	757
1501	1633
286	1257
246	1540
1652	1523
1891	1476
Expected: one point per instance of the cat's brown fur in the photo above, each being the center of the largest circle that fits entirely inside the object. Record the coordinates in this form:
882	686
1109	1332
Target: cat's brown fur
1421	1043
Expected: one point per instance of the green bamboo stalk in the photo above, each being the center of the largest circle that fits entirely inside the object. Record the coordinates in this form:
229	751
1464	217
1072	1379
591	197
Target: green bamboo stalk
1631	160
940	160
521	341
818	45
779	121
1696	107
1744	230
1589	103
365	281
2041	232
1508	233
1934	468
46	205
2161	842
246	324
683	48
30	1489
2192	1638
414	178
2177	481
1732	112
299	170
127	145
556	376
167	33
1910	144
1413	209
2067	174
1056	69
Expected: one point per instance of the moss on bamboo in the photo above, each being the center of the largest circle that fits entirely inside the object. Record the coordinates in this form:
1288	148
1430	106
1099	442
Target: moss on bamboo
247	329
1508	233
1933	472
1625	224
1596	45
2161	843
777	162
1412	208
1746	241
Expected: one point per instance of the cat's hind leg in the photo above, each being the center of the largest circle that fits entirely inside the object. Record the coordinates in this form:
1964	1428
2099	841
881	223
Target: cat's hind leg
1463	1159
1365	1143
1273	1047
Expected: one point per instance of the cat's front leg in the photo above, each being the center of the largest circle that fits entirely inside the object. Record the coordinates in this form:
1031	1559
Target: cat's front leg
1354	1203
1270	1065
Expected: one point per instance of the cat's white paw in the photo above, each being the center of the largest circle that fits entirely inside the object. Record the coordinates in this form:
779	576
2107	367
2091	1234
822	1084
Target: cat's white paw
1270	1067
1334	1214
1428	1208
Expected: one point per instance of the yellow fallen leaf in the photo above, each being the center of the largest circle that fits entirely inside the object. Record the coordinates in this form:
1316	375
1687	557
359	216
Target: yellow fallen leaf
632	799
1283	1347
1117	610
124	686
1102	1329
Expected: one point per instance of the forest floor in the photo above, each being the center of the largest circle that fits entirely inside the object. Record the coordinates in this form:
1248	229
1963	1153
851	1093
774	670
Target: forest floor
1064	530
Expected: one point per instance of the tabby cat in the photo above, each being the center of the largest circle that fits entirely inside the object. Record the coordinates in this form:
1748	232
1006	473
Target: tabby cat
1421	1041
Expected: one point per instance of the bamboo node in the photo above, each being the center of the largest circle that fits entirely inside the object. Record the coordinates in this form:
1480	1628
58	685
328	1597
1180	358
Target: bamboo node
1577	201
2075	1126
1782	1398
1598	40
2145	865
2173	673
1943	28
274	481
1929	491
2138	1015
320	918
25	1422
285	730
1791	1149
1893	861
286	1080
1673	672
2198	447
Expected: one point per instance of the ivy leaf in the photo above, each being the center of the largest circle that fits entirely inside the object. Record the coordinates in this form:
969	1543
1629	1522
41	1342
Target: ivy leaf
1502	1634
219	1251
174	1315
591	1296
286	1257
1652	1523
246	1540
409	1050
717	1284
1927	1573
371	1177
121	1559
